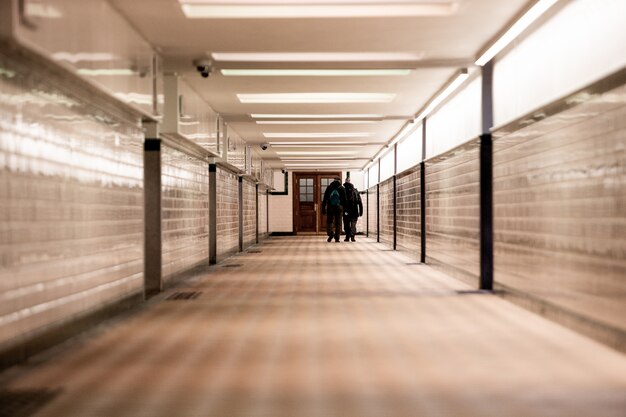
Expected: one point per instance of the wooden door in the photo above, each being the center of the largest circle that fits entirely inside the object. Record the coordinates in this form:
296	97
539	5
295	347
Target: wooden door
305	204
308	192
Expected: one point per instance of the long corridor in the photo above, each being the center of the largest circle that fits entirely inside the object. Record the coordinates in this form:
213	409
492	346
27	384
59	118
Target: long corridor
299	327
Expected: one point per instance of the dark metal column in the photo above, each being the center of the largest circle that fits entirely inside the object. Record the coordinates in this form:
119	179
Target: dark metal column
378	205
212	214
240	214
153	282
267	213
395	215
395	197
257	212
423	195
377	212
367	212
486	181
423	211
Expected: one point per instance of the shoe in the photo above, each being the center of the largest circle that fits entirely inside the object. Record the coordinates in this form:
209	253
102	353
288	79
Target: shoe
329	239
347	239
337	240
353	239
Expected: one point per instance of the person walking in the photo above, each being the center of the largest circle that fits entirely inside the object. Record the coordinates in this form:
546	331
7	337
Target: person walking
332	206
352	210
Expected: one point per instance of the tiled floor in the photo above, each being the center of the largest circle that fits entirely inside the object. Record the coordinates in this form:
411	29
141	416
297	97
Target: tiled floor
309	328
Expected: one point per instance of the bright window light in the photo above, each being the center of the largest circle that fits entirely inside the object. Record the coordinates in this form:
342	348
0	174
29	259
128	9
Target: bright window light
316	116
317	98
314	72
315	56
514	31
246	9
313	122
316	135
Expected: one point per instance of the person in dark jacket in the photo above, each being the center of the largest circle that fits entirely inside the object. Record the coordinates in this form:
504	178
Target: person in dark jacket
352	210
332	206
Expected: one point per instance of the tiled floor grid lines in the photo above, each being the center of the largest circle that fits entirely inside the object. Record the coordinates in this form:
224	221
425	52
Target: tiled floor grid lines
304	328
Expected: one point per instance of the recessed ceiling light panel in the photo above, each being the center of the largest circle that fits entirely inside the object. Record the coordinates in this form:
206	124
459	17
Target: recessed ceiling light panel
314	72
316	116
276	9
317	98
313	122
316	135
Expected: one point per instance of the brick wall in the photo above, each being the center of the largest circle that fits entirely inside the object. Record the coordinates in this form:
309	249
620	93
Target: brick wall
249	213
386	211
227	213
371	212
72	201
262	212
185	211
560	210
453	211
408	212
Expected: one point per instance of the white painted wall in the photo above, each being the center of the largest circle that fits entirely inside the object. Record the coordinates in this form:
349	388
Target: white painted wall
373	175
410	150
357	178
458	121
582	43
281	209
387	162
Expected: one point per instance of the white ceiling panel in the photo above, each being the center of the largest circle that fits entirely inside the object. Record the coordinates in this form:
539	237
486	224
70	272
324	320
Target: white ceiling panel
433	43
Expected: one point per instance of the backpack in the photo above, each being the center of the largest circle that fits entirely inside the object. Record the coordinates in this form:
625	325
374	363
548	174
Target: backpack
350	196
335	198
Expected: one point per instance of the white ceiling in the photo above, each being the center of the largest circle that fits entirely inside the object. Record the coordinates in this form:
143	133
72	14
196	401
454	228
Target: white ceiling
441	44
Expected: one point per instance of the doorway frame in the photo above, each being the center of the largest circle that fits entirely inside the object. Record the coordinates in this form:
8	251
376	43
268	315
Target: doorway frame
296	193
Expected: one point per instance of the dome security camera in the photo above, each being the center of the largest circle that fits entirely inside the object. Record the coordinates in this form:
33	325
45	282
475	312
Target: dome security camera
204	67
264	146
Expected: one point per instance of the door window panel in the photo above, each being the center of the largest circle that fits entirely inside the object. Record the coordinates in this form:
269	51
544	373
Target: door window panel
307	195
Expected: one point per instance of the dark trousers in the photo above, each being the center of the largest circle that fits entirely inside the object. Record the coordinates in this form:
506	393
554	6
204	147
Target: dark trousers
349	226
333	221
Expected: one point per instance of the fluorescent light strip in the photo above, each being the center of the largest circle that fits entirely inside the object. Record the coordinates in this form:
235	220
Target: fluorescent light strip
316	116
320	164
514	31
313	143
407	128
317	98
245	9
318	153
313	122
316	146
84	56
315	56
328	158
111	72
316	135
460	79
314	72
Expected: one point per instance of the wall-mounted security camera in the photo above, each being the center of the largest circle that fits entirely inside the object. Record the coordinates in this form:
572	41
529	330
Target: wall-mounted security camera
204	66
264	146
